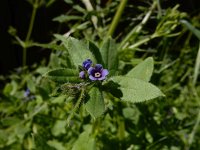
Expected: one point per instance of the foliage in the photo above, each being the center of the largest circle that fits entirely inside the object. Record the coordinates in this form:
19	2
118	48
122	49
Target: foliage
63	111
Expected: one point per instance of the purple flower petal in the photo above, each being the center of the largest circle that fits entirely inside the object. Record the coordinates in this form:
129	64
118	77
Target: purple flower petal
82	74
27	93
87	64
98	67
90	70
92	78
102	78
104	72
97	72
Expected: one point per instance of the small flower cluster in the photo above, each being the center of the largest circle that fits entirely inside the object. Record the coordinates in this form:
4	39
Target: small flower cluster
28	95
94	72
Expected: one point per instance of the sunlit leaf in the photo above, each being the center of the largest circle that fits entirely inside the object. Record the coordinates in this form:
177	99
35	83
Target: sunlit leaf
143	70
56	144
77	49
59	127
136	90
85	141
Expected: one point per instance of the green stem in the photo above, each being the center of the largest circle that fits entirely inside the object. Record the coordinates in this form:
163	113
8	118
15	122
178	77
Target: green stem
76	106
159	8
24	56
197	67
116	18
143	41
195	128
95	127
121	128
30	29
197	123
139	27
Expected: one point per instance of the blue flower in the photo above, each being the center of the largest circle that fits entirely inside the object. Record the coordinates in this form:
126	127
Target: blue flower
27	93
97	72
87	64
82	74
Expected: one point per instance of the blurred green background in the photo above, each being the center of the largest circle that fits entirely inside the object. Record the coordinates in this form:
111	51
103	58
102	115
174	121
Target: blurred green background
167	30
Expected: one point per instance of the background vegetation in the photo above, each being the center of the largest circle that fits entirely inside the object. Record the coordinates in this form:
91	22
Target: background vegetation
165	30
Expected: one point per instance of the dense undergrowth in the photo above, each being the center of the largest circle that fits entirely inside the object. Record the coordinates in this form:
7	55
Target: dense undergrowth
37	118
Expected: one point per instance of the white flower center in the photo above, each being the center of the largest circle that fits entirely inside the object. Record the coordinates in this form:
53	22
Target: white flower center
97	75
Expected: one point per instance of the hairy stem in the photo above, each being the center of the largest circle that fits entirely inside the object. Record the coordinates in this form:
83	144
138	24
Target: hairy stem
76	106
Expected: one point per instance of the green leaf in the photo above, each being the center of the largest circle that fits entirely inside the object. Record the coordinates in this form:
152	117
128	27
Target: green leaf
10	88
20	131
59	127
85	141
132	113
3	137
109	55
136	90
68	1
195	31
96	52
56	144
63	75
10	121
7	89
65	18
30	84
143	70
59	100
78	50
95	105
41	141
42	70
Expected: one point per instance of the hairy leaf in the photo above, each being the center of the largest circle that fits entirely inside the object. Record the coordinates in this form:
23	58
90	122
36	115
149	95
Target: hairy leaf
143	70
109	55
136	90
95	105
96	52
77	50
63	75
85	141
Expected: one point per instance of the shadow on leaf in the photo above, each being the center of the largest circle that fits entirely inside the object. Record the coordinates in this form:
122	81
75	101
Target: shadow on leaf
113	88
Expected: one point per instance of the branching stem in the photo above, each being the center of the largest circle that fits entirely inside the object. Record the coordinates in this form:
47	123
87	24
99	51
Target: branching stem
30	29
